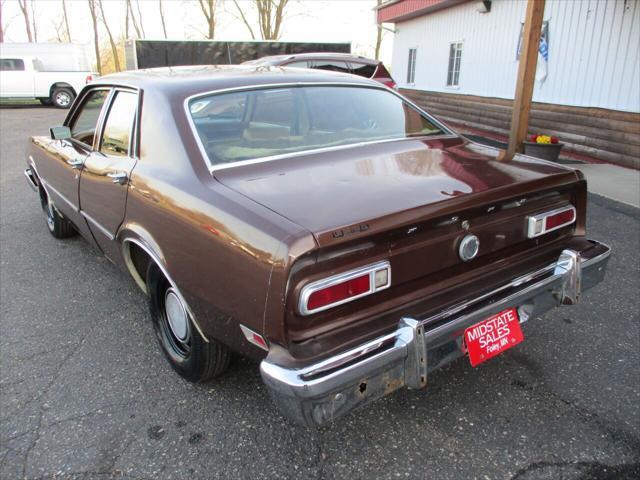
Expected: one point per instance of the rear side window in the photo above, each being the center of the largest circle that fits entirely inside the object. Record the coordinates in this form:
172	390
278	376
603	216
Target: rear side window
119	125
280	121
331	65
83	126
11	64
363	69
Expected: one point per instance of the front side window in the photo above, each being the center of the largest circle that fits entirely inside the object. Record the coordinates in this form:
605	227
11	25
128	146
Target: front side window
11	64
280	121
83	126
455	57
119	125
411	66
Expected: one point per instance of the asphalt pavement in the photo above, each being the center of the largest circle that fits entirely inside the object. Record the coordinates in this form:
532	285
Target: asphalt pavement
85	393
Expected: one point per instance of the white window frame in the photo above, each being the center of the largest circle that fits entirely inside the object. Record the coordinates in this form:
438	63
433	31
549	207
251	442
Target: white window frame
411	66
457	65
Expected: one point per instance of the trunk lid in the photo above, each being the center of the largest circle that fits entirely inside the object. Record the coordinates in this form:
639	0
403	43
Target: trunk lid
354	192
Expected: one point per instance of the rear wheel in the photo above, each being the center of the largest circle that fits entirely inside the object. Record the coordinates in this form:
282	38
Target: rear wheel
188	353
58	225
62	97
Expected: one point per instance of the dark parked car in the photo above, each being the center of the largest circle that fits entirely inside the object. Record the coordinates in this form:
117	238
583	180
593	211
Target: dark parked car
334	62
315	221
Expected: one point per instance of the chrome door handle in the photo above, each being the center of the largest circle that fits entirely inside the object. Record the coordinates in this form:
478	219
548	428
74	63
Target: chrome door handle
75	162
118	177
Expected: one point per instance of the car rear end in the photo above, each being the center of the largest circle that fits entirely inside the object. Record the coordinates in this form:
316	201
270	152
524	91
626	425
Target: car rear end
414	236
368	316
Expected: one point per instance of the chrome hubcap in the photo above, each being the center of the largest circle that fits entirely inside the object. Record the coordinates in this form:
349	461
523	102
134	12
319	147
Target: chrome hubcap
177	316
63	98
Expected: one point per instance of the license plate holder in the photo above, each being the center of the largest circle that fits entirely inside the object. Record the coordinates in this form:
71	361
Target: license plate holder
492	336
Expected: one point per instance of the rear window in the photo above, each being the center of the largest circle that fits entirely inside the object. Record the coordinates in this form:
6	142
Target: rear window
363	69
254	124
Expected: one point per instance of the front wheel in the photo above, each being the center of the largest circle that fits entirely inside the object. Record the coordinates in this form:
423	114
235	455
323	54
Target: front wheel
62	97
188	353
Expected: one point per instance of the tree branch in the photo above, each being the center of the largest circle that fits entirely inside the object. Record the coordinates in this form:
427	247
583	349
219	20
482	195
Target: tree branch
244	19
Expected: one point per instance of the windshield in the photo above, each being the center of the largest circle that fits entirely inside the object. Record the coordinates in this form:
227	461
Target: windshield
261	123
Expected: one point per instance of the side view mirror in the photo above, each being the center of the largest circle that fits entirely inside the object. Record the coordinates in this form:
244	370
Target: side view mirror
60	133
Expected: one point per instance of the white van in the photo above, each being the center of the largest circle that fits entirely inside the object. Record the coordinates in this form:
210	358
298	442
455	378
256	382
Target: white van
52	73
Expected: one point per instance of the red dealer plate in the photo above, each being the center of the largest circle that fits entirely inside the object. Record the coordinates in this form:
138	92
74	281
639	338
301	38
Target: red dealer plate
493	336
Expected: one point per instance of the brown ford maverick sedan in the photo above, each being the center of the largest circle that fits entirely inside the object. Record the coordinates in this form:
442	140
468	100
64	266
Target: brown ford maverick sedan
316	221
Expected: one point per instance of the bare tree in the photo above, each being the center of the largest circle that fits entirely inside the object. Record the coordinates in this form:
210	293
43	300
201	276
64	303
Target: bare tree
33	22
270	16
66	20
114	48
244	19
25	12
58	26
96	40
378	35
140	18
4	21
133	20
164	27
208	8
126	23
1	24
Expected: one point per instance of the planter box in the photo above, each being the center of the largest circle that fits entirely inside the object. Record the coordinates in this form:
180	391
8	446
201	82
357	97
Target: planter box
546	151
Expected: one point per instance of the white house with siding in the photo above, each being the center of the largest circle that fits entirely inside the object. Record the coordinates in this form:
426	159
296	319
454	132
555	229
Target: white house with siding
459	59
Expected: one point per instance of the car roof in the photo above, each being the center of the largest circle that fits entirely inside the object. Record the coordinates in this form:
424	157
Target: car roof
190	80
314	55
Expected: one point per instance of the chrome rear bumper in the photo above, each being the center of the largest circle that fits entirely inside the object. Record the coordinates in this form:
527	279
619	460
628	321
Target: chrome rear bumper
318	393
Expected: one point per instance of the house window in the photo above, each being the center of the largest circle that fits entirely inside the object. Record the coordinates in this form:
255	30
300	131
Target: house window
411	66
455	57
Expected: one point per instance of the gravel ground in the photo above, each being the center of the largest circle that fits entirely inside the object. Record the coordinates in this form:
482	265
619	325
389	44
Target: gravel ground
86	393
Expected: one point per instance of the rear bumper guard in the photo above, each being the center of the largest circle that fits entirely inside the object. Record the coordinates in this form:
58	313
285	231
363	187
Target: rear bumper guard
328	389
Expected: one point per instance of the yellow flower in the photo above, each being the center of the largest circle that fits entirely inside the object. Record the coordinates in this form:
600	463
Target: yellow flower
543	139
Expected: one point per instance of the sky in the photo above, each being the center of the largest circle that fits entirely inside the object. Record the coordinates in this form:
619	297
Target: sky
305	20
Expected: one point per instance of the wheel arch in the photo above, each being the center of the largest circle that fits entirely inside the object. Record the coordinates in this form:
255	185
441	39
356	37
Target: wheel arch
61	85
134	244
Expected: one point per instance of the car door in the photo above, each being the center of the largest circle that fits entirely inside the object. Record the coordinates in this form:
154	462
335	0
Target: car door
60	172
105	177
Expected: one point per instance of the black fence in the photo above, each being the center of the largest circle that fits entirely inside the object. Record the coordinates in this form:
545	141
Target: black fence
167	53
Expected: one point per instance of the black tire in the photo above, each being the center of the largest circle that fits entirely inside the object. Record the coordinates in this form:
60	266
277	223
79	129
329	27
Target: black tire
188	353
62	97
57	224
46	101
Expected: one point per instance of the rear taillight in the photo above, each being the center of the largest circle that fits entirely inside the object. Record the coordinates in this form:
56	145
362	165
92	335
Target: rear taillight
547	222
344	287
88	79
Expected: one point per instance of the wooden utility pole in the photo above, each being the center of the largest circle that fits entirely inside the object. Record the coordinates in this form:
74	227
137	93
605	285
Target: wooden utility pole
526	76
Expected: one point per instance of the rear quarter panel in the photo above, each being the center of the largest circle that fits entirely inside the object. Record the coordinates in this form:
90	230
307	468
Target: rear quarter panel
219	247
